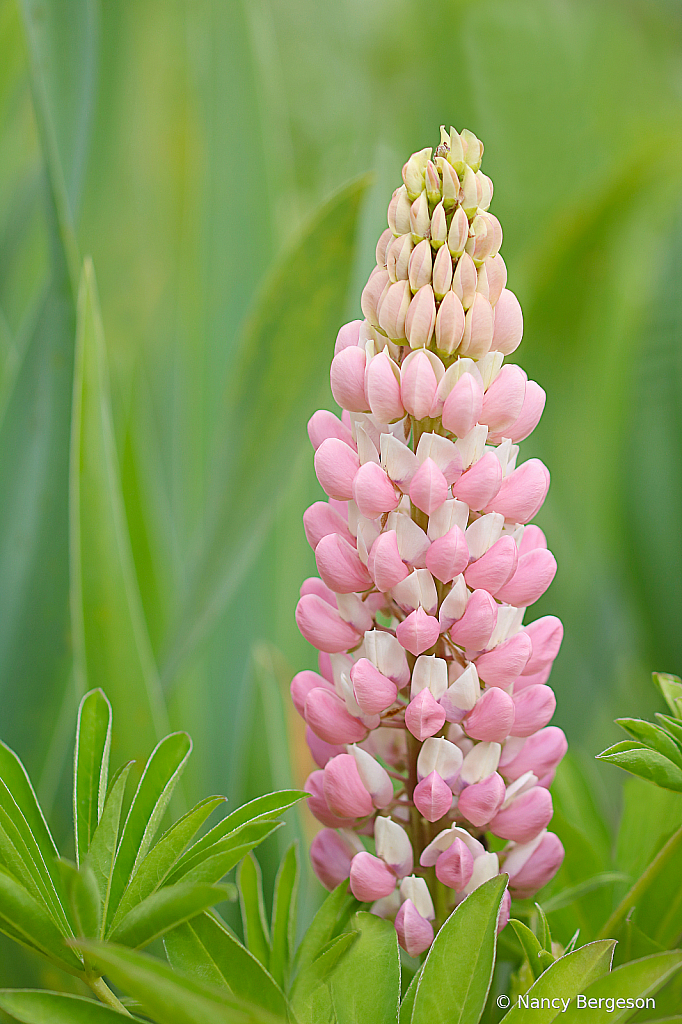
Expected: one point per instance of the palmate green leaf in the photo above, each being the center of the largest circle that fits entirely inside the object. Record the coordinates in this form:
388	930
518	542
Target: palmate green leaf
331	918
310	997
205	949
268	806
537	955
653	736
283	928
215	861
671	688
454	982
27	921
250	885
565	978
161	773
638	759
407	1004
31	1007
634	980
102	852
279	370
365	985
164	909
169	998
110	637
157	865
91	768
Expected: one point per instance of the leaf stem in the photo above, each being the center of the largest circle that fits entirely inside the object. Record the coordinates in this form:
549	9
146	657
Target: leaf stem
106	996
641	885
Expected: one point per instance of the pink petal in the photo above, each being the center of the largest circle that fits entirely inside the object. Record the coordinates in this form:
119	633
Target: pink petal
373	691
455	866
347	378
340	567
534	707
522	493
429	488
418	632
432	797
535	572
493	569
424	716
373	492
504	663
448	555
492	717
321	519
370	878
323	627
476	626
415	933
343	788
479	485
336	465
328	717
525	817
480	802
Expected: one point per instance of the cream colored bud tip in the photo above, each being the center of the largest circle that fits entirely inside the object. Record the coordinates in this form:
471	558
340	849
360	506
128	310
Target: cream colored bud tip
444	147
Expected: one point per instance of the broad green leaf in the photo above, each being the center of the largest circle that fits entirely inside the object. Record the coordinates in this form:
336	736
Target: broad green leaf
653	736
217	860
332	916
31	922
407	1003
310	997
56	1008
84	898
111	642
623	986
102	852
157	865
91	768
169	998
638	759
456	976
657	890
205	949
564	979
283	930
268	806
162	771
271	393
164	909
250	885
649	817
672	725
671	688
535	952
365	984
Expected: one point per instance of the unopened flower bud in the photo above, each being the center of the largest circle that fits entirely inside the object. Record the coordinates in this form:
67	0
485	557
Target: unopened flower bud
432	797
455	865
393	846
349	334
327	716
540	753
375	779
535	572
339	565
474	149
531	865
521	494
429	488
420	264
529	417
478	328
502	665
525	817
442	273
398	258
393	310
486	187
418	384
495	568
382	387
432	182
413	172
385	563
464	280
448	556
420	222
463	406
457	151
336	465
417	633
415	933
492	718
323	627
344	790
385	239
421	318
546	633
496	272
503	401
449	323
475	627
458	233
508	323
373	292
479	485
399	212
481	240
373	492
451	185
424	716
470	192
331	855
480	802
439	227
370	878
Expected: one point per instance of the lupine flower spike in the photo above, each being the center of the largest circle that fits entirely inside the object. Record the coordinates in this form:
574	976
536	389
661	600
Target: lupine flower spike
429	718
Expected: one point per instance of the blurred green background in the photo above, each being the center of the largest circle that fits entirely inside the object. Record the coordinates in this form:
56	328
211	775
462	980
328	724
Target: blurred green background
211	157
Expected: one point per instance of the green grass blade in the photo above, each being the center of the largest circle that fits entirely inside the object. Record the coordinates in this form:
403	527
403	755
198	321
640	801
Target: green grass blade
91	768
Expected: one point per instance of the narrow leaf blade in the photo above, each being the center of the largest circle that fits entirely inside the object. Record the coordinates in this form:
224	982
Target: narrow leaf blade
284	916
91	768
250	885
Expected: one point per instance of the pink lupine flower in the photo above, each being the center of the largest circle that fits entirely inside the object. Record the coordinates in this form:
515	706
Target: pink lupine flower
431	702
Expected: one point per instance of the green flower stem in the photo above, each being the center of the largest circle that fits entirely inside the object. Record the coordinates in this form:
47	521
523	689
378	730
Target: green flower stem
106	996
641	885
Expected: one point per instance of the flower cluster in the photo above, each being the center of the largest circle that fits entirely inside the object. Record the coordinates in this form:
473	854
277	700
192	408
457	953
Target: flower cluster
429	716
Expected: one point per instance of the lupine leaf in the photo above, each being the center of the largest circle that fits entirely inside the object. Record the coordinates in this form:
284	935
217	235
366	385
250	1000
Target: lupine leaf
15	777
407	1004
532	947
154	791
310	996
283	929
268	806
83	894
91	768
634	980
331	916
633	944
544	933
102	852
169	998
671	688
229	851
365	984
672	725
250	885
157	865
163	910
638	759
454	983
269	402
205	949
111	642
654	736
31	1007
29	920
565	978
